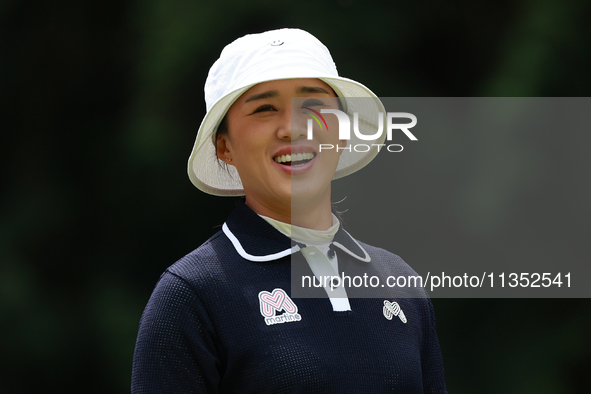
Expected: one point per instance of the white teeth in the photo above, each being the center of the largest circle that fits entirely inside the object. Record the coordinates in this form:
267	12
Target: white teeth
295	157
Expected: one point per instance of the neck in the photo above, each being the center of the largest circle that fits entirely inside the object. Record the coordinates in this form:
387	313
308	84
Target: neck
314	216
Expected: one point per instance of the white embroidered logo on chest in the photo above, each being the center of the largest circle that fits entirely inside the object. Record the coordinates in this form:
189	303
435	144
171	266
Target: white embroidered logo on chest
392	309
278	301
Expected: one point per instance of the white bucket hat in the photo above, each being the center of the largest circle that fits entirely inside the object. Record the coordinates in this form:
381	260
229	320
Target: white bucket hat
268	56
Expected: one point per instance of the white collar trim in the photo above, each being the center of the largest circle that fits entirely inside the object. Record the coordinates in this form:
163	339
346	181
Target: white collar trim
294	249
248	256
365	258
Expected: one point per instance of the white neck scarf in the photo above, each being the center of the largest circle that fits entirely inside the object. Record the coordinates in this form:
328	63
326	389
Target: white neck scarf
304	235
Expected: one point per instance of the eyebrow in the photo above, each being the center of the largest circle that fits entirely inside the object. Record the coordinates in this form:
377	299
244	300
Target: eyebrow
264	95
275	93
312	89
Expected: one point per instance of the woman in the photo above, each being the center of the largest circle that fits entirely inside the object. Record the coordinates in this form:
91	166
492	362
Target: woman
222	319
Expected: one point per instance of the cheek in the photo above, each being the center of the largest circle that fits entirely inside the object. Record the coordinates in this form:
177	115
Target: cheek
248	149
333	129
239	140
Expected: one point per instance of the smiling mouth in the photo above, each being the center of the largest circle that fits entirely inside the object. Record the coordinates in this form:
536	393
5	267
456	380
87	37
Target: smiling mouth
295	160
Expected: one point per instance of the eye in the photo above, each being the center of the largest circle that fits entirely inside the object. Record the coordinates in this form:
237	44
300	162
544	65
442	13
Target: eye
263	108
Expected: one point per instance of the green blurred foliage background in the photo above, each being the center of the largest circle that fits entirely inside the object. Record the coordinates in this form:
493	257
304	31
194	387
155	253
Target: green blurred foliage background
100	104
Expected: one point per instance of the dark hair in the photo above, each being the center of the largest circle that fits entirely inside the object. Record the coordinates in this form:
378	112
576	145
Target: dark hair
221	130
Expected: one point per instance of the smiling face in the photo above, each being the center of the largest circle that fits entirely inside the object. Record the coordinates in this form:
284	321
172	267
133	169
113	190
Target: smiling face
266	141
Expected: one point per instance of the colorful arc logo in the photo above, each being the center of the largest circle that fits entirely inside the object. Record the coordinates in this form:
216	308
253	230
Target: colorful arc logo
315	117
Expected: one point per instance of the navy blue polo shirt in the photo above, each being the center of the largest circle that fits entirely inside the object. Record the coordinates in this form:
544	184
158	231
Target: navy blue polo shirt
222	319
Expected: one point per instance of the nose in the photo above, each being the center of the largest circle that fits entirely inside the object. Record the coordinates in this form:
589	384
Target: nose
292	126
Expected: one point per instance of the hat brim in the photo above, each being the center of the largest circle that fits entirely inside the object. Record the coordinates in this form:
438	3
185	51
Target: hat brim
212	176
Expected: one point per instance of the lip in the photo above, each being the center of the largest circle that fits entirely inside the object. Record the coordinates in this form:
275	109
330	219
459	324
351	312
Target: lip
295	149
288	150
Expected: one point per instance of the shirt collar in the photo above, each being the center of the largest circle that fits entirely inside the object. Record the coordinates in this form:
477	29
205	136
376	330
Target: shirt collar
304	235
256	240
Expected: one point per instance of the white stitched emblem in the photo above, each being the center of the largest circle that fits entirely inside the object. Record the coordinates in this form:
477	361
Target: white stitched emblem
392	309
278	301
